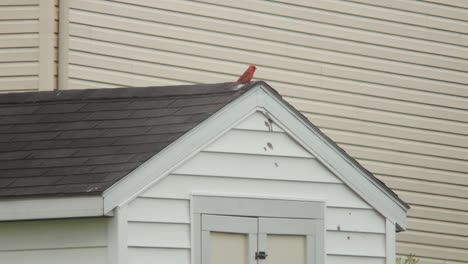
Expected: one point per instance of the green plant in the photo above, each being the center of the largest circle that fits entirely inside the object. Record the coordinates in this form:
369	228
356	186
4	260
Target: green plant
410	259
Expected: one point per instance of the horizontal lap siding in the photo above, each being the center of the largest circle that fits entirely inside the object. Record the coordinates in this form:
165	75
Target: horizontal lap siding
385	79
159	218
158	230
58	241
19	45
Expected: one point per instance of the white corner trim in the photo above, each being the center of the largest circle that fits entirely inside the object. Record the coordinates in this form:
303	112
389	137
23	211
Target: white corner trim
390	241
50	208
117	234
160	165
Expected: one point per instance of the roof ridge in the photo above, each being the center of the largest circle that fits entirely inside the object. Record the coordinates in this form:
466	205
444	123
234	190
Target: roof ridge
119	93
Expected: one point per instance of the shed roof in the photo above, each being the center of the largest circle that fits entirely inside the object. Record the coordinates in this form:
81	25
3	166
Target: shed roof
81	142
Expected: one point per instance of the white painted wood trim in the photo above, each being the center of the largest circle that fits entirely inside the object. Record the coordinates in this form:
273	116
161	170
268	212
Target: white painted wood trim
117	250
311	252
205	240
253	242
333	159
262	246
268	197
258	207
63	46
231	224
390	241
46	45
195	236
50	208
179	151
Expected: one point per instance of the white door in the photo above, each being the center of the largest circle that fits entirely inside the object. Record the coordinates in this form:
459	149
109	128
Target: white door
259	240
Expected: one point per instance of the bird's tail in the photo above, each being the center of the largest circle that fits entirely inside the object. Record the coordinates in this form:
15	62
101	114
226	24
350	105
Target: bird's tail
232	84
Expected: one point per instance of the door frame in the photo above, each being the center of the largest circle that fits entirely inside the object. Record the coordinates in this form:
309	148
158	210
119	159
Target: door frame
258	207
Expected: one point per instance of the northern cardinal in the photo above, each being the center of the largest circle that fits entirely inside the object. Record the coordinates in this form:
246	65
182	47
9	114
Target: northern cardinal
246	76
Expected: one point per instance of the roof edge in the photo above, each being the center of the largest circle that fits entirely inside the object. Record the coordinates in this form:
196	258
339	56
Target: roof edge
351	172
353	161
112	93
34	208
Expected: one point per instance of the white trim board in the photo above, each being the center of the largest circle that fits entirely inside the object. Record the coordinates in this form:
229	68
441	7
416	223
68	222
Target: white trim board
264	99
117	250
50	208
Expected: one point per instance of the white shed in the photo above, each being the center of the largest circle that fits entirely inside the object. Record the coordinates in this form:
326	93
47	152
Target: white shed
185	174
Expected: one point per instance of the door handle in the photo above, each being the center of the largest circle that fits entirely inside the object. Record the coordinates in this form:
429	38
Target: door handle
261	255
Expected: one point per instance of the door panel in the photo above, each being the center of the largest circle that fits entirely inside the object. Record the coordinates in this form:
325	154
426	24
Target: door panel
229	248
297	239
229	239
286	249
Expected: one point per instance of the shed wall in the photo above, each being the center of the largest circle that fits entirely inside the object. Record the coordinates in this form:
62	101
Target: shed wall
73	241
272	165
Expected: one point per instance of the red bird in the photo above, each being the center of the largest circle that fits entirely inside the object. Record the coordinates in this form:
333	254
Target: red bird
246	76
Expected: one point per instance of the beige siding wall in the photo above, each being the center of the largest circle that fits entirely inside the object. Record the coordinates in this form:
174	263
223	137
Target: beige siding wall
70	241
19	45
28	30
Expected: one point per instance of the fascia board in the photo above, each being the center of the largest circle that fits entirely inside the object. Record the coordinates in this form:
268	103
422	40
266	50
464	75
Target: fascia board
333	159
160	165
50	207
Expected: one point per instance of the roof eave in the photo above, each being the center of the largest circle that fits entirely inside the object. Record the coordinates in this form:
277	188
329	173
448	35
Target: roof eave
51	207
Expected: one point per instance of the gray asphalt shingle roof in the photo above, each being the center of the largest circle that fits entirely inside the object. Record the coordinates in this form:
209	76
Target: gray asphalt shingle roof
77	142
83	141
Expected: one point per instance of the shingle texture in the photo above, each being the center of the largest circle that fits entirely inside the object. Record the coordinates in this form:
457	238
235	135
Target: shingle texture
83	141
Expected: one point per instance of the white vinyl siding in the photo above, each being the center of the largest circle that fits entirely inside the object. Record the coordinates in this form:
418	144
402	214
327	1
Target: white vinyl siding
279	169
158	229
54	241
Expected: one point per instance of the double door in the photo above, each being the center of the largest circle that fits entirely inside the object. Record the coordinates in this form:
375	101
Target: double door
259	240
